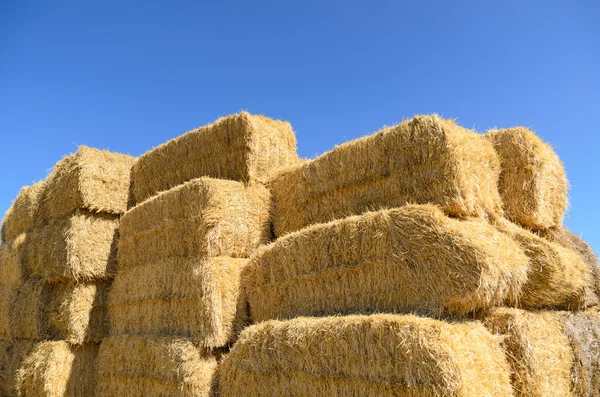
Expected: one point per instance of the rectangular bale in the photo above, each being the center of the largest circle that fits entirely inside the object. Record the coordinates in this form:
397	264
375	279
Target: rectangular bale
377	355
537	349
241	147
76	313
90	179
11	261
412	258
557	277
78	248
12	354
583	331
203	217
423	160
20	216
533	183
187	297
57	369
154	366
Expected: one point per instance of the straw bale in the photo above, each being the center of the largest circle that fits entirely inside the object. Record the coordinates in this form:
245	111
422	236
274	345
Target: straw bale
567	239
153	366
203	217
377	355
193	298
20	216
11	266
537	349
91	179
66	311
583	331
77	313
412	258
241	147
12	354
28	314
80	247
423	160
56	369
558	277
533	183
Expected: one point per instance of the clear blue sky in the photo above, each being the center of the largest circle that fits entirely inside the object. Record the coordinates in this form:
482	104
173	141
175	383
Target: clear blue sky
128	76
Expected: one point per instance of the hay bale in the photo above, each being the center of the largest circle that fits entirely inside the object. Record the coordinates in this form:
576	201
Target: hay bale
533	183
90	179
81	247
11	266
583	331
20	216
377	355
153	366
56	369
557	276
567	239
191	298
239	147
28	315
203	217
12	354
537	349
77	313
412	258
65	311
423	160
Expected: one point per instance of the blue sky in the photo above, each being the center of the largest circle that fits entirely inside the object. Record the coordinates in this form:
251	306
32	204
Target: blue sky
127	76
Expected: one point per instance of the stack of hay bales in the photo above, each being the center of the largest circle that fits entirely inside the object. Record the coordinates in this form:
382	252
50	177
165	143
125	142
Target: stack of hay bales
67	262
200	210
411	220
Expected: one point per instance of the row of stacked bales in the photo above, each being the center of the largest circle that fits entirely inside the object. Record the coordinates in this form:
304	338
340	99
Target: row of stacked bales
66	229
200	209
411	220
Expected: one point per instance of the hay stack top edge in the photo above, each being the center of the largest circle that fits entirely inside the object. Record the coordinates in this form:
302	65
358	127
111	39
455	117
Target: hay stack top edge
243	147
20	216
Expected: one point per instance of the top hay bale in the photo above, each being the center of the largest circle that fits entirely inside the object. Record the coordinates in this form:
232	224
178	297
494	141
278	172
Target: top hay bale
378	355
533	183
19	217
423	160
240	147
91	179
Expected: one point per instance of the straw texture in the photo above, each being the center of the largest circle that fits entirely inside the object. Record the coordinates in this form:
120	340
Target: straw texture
20	216
11	265
412	258
81	247
153	366
12	354
56	369
91	179
378	355
583	332
239	147
533	183
204	217
191	298
423	160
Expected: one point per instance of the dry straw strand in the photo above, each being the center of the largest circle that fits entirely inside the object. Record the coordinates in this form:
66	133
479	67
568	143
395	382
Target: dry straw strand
412	258
373	355
203	217
90	179
189	297
242	147
11	265
154	366
423	160
12	354
20	216
56	369
583	332
533	183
